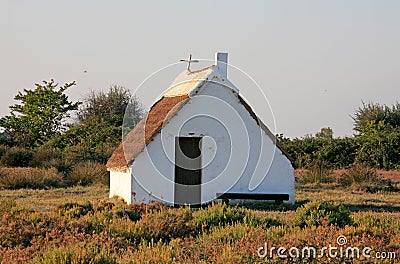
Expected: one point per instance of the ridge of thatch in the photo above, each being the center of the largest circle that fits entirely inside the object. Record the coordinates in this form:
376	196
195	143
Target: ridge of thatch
136	140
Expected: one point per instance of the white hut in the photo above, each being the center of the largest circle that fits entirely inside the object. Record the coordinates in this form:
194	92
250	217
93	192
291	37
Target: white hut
201	142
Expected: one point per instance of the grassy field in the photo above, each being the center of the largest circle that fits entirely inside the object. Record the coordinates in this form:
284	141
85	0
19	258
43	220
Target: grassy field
46	201
81	225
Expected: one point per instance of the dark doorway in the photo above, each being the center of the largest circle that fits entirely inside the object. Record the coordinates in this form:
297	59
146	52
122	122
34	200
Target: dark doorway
188	171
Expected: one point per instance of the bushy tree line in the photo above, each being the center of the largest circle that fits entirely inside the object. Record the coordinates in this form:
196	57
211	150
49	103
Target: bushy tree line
376	142
99	125
42	120
45	119
337	152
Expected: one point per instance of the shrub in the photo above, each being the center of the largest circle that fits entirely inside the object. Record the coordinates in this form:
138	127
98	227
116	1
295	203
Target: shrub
218	215
322	213
88	172
166	224
379	146
45	157
74	210
35	178
337	152
16	157
63	166
52	158
371	219
318	172
161	225
120	209
268	222
360	177
3	150
6	205
82	253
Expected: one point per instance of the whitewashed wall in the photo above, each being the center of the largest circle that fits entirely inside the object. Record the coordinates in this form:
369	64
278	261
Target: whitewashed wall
234	151
120	184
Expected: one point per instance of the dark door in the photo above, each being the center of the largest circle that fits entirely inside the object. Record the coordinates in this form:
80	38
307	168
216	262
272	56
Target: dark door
188	171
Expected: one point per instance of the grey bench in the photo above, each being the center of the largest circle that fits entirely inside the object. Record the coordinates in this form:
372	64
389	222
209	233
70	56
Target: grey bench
277	197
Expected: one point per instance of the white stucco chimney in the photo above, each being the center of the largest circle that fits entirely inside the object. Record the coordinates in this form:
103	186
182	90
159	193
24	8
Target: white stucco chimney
221	61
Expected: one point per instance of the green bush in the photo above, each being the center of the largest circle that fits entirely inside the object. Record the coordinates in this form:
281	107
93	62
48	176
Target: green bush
371	219
74	210
379	146
322	213
6	205
81	253
120	209
164	225
100	152
218	214
88	172
34	178
126	216
336	152
16	157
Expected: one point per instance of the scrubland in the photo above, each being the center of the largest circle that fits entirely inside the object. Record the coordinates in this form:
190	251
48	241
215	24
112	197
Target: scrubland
79	224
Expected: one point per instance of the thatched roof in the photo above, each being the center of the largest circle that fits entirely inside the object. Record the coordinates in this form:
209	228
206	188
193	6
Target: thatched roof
164	109
144	131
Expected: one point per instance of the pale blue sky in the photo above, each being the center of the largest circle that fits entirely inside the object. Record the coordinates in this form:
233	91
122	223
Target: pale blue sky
315	60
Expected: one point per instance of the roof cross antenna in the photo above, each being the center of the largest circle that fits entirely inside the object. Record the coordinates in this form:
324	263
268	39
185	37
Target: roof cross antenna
189	60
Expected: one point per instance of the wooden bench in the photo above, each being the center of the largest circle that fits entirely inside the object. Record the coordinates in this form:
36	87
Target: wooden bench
277	197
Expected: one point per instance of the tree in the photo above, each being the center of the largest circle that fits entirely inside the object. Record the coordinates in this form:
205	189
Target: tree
40	114
379	146
393	115
4	138
375	113
101	119
325	133
112	106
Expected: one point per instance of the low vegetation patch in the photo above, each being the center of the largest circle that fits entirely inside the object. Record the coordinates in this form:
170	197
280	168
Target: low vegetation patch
318	172
3	150
46	158
74	210
218	215
16	157
81	253
110	231
86	173
322	213
33	178
362	177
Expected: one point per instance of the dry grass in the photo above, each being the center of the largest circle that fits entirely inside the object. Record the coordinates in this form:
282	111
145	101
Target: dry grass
318	172
26	177
357	200
88	172
106	232
46	201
